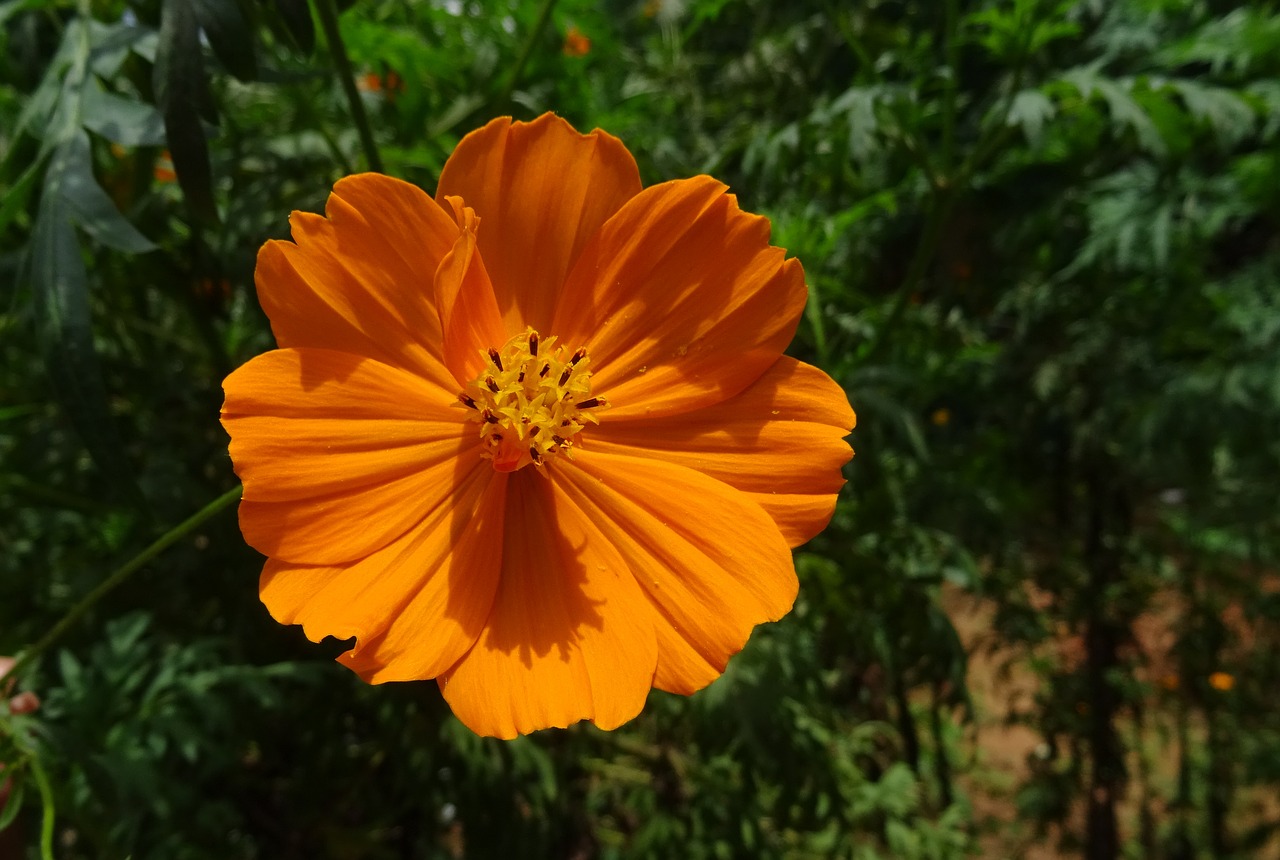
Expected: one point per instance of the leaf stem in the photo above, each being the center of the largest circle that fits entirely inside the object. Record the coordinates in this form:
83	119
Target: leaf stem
120	574
328	12
526	51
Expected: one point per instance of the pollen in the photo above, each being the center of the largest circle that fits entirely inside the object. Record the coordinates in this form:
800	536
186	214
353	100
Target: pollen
531	401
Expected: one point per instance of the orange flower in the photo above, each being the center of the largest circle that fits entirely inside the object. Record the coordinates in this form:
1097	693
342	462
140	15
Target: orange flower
535	438
576	43
163	170
1221	681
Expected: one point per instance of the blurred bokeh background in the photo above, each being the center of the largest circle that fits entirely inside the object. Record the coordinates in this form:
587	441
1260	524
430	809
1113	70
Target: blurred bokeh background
1042	239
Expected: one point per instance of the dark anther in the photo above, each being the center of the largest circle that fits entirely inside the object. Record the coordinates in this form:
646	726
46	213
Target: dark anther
489	416
589	403
495	438
466	401
534	432
537	457
495	358
564	377
559	440
579	355
543	372
565	423
493	386
533	343
520	378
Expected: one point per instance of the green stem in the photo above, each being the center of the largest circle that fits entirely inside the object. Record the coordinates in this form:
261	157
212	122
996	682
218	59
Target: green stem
328	11
120	574
544	15
47	808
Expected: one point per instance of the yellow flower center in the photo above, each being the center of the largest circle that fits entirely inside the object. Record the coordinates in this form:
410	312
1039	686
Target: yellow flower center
531	401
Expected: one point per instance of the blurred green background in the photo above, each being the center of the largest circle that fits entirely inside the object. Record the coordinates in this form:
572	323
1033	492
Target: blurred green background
1042	239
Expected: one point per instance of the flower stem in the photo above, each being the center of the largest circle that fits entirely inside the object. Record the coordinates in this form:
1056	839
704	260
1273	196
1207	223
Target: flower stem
544	15
47	809
120	574
328	12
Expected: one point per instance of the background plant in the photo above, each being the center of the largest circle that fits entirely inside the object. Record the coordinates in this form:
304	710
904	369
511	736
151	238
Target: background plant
1041	242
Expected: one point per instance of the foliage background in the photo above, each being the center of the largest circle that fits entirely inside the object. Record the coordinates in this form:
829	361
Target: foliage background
1042	241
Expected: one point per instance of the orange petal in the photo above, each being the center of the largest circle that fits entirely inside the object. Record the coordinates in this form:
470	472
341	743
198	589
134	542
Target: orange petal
339	454
681	300
542	190
468	311
570	637
710	560
415	606
360	280
780	441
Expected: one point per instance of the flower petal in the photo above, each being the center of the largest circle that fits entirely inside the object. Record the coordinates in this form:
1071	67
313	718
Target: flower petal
360	280
681	299
339	454
415	606
468	311
780	441
542	190
570	637
710	560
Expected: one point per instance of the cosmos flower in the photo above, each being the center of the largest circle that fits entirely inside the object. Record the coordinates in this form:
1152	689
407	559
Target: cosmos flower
534	438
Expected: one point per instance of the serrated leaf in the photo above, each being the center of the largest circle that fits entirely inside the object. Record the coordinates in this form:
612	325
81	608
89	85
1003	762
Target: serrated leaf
180	89
296	15
125	121
229	35
71	174
1226	113
60	294
1031	109
1124	110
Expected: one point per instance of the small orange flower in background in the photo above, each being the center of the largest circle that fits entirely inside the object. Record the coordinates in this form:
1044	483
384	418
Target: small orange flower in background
389	84
1221	681
535	438
164	171
941	417
576	43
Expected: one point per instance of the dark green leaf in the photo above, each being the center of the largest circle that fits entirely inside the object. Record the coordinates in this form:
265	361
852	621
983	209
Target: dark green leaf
180	90
71	173
127	122
60	293
229	35
9	811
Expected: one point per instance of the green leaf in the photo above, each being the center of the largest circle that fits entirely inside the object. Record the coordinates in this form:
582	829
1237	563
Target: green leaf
229	35
60	296
71	174
1031	109
180	89
9	811
1124	110
16	197
125	121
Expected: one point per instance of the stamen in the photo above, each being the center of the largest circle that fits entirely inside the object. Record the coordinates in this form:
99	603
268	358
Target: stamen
531	401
